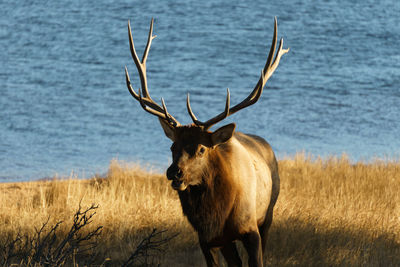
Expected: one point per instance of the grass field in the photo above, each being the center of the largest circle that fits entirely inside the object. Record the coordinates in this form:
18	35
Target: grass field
330	213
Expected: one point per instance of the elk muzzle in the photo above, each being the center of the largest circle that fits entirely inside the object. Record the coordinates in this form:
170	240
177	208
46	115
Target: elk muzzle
175	174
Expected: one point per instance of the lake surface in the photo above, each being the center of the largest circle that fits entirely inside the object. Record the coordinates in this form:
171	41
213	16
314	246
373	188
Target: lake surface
65	109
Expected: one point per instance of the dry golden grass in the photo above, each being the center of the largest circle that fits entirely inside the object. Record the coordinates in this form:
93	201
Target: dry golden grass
329	213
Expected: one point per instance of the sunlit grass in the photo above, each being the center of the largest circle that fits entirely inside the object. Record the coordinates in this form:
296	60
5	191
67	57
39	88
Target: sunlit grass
330	212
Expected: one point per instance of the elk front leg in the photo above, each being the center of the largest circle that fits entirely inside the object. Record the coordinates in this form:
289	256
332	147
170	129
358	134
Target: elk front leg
231	255
252	244
210	253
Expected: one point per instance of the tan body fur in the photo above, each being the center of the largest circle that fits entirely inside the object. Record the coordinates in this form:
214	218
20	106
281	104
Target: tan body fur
248	186
231	189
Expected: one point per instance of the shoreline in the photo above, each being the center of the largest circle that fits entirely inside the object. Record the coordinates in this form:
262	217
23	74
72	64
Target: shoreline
154	168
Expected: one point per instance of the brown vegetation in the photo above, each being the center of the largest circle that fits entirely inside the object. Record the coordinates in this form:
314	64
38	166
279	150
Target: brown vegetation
330	212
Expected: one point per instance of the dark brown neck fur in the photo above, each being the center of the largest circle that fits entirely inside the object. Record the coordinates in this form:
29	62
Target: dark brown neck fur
208	205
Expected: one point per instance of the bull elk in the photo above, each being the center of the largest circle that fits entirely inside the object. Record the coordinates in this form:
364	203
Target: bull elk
227	181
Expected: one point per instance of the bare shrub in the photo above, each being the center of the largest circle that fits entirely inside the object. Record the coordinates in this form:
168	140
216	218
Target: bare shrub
49	248
148	249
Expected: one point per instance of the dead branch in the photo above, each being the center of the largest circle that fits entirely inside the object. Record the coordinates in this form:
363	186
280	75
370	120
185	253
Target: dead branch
150	246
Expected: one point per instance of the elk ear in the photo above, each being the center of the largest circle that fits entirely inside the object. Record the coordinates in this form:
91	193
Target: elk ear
168	129
223	134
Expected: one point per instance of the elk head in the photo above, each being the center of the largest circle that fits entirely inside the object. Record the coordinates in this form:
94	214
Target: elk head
194	144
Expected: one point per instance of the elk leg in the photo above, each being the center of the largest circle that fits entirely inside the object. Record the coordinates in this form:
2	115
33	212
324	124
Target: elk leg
211	254
264	229
231	255
252	244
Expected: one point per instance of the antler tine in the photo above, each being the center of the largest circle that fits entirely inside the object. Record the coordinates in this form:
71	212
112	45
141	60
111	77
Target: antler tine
132	45
253	97
170	119
194	119
277	59
143	96
273	47
128	84
228	102
149	39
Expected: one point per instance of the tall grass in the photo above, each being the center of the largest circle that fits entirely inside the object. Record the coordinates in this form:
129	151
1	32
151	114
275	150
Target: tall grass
330	213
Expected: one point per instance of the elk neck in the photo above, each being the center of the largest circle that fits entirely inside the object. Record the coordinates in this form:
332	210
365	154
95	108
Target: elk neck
208	204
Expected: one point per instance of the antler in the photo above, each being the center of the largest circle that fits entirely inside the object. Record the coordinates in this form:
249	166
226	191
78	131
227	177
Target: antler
143	95
266	73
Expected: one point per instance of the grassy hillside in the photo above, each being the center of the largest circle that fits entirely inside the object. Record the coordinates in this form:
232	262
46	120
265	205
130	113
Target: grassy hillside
330	212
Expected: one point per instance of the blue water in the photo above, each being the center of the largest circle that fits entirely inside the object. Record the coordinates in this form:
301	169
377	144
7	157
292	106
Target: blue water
65	109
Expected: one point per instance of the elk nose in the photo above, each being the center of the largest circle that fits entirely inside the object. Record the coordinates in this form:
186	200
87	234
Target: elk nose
174	173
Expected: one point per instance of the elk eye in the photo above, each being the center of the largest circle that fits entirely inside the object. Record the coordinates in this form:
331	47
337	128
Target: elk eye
201	151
